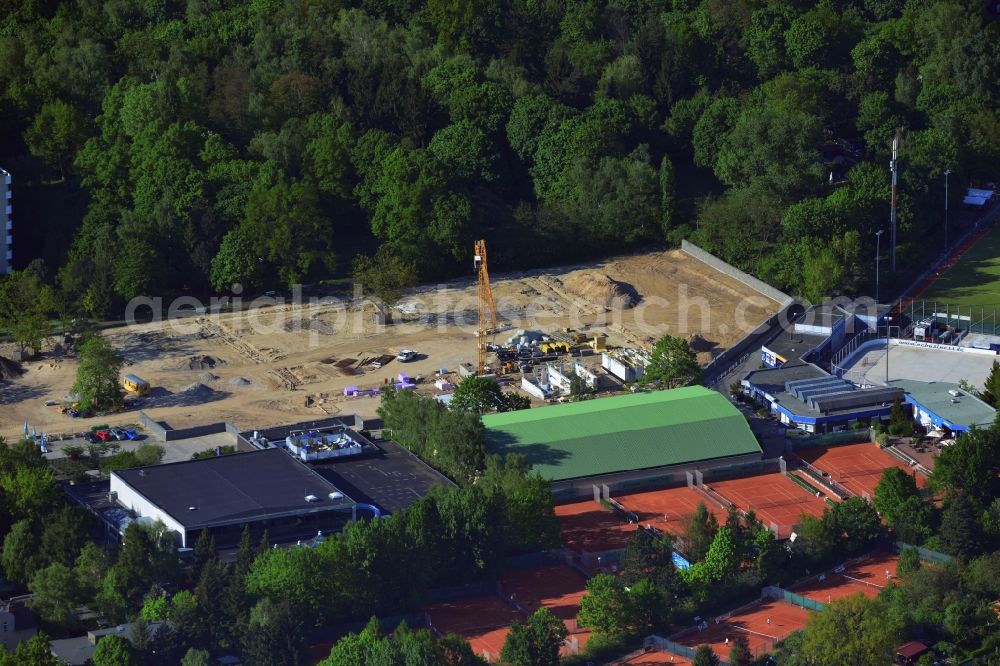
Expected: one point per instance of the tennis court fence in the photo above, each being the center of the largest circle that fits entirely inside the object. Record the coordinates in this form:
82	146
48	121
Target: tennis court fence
818	476
670	646
926	554
781	594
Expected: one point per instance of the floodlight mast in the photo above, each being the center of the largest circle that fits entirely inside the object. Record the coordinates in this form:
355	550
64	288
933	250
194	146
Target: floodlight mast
894	167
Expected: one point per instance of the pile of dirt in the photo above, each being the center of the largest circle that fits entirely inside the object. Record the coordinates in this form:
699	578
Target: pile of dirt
197	389
204	362
699	344
240	381
9	369
207	377
601	289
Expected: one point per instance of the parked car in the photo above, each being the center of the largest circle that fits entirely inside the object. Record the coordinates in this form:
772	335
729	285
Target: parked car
131	434
118	434
104	435
91	437
406	355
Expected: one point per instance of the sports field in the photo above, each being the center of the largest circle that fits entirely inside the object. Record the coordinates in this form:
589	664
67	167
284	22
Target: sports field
775	498
654	658
856	467
867	577
666	509
974	279
483	621
557	587
589	527
763	623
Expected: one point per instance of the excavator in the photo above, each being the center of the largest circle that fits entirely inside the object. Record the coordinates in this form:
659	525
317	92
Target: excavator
486	321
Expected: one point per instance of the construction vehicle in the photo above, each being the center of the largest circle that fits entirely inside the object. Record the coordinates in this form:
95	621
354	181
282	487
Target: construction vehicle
554	347
486	321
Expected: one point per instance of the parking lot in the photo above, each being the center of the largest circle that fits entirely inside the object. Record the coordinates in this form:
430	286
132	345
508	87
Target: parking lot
172	451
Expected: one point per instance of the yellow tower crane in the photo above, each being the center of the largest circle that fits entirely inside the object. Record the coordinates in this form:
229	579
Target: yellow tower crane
486	322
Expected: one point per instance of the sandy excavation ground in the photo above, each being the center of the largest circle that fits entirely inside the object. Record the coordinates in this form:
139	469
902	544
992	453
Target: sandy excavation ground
285	362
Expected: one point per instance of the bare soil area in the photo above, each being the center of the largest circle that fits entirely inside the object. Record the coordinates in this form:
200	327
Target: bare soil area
286	361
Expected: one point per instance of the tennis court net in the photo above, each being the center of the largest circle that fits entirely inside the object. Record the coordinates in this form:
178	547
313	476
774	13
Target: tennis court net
778	503
755	633
858	472
862	582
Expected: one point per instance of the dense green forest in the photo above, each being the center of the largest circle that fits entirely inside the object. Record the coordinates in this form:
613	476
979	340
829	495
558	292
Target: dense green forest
161	146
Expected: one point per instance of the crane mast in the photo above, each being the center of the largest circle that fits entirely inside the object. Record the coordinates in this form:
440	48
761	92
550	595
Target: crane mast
486	322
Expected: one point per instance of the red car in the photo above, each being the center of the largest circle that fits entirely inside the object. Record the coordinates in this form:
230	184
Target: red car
104	435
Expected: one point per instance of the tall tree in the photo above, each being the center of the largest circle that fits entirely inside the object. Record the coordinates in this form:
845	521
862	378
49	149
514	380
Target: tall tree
855	630
97	378
699	531
961	532
739	653
705	656
385	275
25	306
536	642
894	488
673	363
113	651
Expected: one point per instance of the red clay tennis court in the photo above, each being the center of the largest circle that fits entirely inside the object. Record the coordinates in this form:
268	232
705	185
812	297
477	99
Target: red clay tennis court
775	498
867	577
764	624
655	658
557	587
483	621
588	526
666	509
857	467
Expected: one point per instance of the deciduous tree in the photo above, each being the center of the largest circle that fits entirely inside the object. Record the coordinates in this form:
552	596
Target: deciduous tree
853	630
536	642
673	363
98	381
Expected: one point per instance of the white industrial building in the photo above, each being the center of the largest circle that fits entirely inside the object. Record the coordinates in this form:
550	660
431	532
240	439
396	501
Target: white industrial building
222	494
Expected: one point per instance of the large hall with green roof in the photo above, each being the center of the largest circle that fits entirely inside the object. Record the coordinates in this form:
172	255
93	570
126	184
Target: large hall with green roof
628	440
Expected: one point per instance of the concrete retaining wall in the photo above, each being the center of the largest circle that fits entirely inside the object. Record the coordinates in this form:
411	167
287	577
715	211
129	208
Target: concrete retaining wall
718	264
727	361
170	435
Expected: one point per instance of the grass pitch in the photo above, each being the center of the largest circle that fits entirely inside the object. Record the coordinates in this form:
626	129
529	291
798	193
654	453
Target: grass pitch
975	279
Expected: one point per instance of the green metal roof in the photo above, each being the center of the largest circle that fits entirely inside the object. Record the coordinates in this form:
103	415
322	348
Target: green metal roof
966	411
626	432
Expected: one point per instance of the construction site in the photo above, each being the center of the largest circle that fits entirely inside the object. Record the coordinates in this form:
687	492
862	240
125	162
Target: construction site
277	361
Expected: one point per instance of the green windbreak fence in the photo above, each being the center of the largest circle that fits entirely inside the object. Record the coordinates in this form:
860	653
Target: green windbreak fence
927	555
803	602
775	592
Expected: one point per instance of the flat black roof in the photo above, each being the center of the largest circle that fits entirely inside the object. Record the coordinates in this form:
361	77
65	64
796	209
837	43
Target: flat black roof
234	489
275	433
792	346
392	480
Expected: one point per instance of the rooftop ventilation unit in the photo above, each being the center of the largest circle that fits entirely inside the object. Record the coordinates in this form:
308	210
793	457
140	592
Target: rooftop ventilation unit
953	393
336	495
312	498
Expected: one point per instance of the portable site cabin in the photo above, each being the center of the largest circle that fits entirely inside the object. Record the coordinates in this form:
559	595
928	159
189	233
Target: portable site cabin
135	384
